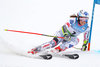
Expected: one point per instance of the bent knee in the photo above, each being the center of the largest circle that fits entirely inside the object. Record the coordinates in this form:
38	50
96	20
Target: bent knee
54	42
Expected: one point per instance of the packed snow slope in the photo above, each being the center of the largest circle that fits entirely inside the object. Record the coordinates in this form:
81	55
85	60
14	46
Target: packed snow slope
46	17
9	58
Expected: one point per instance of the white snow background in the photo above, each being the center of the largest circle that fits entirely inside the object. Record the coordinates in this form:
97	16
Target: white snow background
46	17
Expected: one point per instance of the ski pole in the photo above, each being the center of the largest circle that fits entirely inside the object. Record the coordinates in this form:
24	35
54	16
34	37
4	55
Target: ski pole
77	48
33	33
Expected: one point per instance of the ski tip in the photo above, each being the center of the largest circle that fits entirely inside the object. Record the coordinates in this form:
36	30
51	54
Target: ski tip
72	56
76	56
6	29
46	57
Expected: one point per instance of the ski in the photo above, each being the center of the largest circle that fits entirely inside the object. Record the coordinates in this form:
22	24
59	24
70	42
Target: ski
46	56
71	56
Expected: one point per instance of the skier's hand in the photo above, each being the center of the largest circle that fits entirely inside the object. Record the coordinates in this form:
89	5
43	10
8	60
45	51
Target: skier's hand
67	37
84	47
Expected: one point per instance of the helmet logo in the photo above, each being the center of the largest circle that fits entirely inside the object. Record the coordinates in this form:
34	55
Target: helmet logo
85	13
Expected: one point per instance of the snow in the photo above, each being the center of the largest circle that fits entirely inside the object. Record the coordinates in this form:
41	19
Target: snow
43	16
86	60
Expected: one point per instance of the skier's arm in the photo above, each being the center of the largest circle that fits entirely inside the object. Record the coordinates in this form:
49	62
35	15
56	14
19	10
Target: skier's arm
86	38
66	33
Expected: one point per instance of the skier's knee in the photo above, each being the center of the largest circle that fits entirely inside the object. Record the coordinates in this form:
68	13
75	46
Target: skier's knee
54	42
55	39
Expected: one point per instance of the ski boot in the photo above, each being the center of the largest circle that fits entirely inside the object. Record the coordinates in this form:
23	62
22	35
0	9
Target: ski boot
35	50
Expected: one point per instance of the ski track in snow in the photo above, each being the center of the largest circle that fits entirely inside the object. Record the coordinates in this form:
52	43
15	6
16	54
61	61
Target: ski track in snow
48	15
10	58
86	59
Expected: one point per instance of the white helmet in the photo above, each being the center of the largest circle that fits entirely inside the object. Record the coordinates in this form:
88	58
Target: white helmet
83	15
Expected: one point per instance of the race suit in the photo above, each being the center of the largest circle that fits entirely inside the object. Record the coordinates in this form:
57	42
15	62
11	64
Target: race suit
70	31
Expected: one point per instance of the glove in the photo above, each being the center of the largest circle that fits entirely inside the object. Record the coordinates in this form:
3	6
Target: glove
67	37
84	47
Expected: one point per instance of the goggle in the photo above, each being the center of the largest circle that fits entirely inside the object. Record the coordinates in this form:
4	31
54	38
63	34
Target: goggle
83	19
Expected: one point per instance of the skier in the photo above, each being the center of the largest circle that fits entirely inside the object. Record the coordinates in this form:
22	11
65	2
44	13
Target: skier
78	24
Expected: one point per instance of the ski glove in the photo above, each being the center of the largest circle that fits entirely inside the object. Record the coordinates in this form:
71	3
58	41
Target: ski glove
84	47
67	37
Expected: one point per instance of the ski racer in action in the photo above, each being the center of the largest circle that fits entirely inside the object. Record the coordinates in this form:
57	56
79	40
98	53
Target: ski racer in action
77	24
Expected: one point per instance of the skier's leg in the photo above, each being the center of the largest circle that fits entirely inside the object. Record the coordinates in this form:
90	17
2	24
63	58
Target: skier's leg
45	46
55	41
65	45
